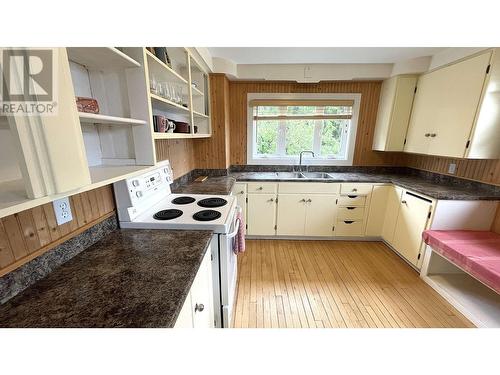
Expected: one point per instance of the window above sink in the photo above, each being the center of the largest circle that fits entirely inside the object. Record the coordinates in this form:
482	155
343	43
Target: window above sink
282	125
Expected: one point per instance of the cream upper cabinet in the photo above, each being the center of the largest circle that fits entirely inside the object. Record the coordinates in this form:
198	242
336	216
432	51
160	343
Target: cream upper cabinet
393	115
240	192
392	203
291	215
445	108
320	215
261	217
412	220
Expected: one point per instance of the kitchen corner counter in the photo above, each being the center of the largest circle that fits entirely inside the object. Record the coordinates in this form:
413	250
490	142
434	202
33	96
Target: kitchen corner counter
213	186
434	189
131	278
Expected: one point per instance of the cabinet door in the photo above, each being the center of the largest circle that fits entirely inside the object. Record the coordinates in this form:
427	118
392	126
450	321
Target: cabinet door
240	192
396	99
445	107
411	222
201	295
391	213
376	210
320	215
261	214
185	318
291	216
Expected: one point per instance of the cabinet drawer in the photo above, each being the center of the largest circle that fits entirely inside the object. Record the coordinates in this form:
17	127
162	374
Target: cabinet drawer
352	200
361	189
262	187
349	228
239	189
351	213
309	187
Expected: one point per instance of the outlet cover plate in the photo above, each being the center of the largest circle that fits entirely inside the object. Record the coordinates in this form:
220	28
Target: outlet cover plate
452	168
62	210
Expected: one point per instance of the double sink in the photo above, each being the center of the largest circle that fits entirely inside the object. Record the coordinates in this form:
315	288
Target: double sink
304	175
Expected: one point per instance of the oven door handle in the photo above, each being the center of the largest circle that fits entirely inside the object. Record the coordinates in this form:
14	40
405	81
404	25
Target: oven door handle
237	228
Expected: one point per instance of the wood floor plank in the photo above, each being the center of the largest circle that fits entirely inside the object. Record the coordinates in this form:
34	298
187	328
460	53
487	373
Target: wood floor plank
323	284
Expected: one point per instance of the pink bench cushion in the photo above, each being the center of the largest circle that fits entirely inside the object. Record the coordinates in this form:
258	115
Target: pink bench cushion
476	252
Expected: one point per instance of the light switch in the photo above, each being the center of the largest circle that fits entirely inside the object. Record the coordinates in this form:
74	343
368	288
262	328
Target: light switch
62	210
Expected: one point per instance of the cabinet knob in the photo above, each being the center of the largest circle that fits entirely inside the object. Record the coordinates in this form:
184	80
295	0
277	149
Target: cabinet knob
260	188
427	134
271	200
302	200
309	201
433	135
354	190
199	307
242	192
404	202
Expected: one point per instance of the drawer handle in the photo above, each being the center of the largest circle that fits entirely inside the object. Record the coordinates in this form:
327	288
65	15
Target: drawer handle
348	221
427	134
309	201
350	208
271	200
352	196
433	135
302	200
199	307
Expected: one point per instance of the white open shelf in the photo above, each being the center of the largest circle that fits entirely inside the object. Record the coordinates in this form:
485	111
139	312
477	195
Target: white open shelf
91	118
197	92
477	302
107	174
157	135
101	58
198	114
168	105
159	69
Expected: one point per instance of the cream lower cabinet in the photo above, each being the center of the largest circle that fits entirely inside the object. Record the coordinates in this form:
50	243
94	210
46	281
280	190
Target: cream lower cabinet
240	192
306	214
406	216
261	217
198	309
393	201
377	208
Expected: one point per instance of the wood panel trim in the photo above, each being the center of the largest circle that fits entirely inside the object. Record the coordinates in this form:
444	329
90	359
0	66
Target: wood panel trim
30	233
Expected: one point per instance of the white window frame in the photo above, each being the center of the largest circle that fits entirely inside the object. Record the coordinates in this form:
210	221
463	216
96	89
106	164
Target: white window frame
252	157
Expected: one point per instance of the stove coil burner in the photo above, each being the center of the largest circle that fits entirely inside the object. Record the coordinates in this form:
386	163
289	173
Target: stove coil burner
212	202
183	200
207	215
167	214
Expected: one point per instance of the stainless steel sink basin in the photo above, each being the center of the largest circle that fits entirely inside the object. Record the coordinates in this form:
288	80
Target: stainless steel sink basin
289	175
316	175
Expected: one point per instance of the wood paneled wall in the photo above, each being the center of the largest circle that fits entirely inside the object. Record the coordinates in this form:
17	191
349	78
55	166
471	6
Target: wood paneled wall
30	233
473	169
370	92
180	152
213	153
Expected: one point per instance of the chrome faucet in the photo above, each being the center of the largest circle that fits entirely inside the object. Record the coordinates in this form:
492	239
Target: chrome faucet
300	158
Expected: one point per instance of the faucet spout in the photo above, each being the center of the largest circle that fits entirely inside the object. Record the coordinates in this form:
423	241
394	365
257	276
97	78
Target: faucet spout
300	157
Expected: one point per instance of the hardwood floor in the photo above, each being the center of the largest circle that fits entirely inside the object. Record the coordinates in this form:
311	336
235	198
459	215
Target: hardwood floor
327	284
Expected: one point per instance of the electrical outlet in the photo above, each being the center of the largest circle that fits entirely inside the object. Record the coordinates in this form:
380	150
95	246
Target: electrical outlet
452	168
62	210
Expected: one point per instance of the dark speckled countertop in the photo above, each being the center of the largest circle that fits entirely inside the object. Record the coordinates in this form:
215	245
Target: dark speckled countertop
433	189
212	185
131	278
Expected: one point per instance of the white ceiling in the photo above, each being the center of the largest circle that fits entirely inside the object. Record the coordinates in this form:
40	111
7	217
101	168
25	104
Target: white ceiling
321	55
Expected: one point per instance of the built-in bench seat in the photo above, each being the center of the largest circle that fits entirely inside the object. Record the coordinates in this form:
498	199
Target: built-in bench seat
475	252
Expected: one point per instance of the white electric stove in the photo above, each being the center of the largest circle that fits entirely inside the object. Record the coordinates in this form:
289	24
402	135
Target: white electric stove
146	202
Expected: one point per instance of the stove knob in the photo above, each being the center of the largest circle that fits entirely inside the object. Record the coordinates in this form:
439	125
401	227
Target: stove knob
139	194
135	183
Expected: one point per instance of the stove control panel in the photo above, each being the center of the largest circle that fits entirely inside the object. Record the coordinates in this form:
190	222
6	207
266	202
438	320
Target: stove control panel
134	194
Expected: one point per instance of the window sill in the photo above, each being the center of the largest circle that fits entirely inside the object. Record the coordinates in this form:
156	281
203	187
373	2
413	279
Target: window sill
295	161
